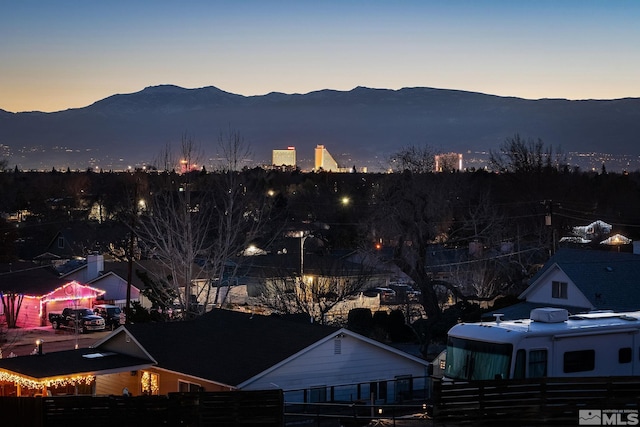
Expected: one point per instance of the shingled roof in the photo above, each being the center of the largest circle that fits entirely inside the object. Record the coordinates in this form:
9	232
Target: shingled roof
226	346
609	280
29	278
72	362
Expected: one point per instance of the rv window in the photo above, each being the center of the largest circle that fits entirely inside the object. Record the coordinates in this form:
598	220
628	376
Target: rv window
476	360
579	361
559	290
624	355
537	363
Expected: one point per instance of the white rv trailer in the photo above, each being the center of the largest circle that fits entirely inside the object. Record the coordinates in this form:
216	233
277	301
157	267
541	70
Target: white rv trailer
549	344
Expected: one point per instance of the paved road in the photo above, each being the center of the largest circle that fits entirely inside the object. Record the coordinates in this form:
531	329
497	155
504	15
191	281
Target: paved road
22	342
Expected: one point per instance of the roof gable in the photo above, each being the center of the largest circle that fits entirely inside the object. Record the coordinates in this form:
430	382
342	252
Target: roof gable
338	333
609	280
225	346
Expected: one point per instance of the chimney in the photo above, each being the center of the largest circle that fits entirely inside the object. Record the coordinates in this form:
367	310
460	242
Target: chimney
95	266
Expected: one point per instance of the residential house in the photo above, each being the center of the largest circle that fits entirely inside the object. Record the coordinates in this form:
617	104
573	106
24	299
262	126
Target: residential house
111	277
338	282
582	280
596	233
76	240
39	290
227	350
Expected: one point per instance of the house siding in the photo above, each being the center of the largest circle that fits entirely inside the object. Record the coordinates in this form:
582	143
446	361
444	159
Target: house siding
113	384
358	362
115	289
169	382
123	344
540	291
29	314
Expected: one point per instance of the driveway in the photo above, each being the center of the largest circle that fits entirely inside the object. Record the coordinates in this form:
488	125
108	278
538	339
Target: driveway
22	342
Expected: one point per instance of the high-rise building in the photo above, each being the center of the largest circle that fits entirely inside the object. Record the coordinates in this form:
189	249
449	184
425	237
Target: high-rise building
324	160
285	157
448	162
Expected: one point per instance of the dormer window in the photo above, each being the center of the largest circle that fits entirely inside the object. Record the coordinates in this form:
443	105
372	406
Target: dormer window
61	242
559	290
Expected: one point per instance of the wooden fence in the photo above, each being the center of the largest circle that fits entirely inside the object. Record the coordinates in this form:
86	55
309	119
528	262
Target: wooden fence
548	401
237	408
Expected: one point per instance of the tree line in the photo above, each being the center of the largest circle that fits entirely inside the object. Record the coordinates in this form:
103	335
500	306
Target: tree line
183	216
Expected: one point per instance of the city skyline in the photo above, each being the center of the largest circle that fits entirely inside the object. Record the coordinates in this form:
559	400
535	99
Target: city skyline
64	55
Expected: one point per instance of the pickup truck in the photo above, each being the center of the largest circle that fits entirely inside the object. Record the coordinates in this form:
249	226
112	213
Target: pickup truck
85	319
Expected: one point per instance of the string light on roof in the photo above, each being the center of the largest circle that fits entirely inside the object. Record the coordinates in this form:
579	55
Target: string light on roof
30	383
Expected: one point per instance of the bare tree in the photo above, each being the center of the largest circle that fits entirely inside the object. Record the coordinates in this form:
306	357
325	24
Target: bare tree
240	208
520	155
175	228
412	212
11	304
414	159
233	150
333	283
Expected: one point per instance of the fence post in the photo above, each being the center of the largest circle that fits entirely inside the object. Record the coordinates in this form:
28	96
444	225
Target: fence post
481	402
435	394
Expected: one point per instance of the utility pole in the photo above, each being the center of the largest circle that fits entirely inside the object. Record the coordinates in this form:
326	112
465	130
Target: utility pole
134	210
548	221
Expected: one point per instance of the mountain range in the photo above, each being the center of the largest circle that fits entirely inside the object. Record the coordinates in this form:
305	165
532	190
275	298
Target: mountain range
362	127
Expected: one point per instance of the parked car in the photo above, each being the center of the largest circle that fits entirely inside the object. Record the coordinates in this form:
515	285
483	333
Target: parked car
387	295
81	319
405	293
112	314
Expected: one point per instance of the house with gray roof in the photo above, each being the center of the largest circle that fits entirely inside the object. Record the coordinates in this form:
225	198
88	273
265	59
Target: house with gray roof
226	350
582	280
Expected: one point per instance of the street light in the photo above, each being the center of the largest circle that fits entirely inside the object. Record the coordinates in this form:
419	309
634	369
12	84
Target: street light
303	238
303	235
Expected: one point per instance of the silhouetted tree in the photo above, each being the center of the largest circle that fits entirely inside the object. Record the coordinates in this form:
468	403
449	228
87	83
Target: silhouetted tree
520	155
416	159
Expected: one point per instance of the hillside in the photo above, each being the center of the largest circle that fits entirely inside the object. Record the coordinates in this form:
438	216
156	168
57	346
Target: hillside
361	126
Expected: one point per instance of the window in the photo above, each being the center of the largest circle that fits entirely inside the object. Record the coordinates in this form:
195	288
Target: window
60	242
476	360
378	390
187	387
537	363
518	371
404	387
559	290
624	355
150	384
579	361
318	394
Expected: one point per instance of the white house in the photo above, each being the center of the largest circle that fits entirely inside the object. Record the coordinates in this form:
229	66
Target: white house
582	280
228	350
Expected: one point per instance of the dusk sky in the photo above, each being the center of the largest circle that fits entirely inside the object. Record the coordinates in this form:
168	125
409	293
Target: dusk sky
64	54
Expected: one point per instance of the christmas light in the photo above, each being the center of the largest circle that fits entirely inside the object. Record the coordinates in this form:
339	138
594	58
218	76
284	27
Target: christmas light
149	382
72	291
46	382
